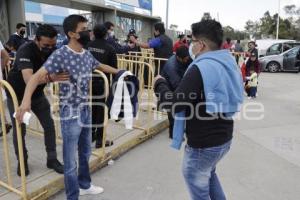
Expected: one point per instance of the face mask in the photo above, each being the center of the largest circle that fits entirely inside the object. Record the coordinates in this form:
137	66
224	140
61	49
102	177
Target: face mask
84	38
112	34
47	51
191	51
22	32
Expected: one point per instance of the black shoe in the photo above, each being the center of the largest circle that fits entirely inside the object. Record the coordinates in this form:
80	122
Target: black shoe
26	169
8	127
108	143
55	165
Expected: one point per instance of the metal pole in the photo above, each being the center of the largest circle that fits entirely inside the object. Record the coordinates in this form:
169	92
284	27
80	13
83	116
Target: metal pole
278	20
167	15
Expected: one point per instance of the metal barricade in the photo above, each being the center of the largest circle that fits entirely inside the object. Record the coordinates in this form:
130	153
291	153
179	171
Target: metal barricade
141	53
138	69
155	63
101	152
9	184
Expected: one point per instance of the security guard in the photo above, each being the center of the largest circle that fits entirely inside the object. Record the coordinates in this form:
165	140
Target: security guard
29	59
106	54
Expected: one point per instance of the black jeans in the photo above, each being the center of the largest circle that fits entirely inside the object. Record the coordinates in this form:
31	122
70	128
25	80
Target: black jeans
98	105
171	122
41	108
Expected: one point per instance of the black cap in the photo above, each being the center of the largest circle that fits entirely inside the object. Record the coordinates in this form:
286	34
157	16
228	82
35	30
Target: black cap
132	31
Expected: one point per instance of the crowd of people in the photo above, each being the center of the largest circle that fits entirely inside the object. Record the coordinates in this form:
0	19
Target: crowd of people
201	82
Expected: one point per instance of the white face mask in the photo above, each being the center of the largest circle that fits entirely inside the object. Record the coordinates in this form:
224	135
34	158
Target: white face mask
112	33
191	51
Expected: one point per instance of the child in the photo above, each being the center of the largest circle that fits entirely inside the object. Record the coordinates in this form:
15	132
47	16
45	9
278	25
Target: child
74	103
252	84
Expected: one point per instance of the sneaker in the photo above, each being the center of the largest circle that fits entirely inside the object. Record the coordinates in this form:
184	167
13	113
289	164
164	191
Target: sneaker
249	98
55	165
91	191
26	168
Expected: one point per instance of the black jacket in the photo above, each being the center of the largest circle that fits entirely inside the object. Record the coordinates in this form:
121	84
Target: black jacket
133	89
173	72
16	41
103	52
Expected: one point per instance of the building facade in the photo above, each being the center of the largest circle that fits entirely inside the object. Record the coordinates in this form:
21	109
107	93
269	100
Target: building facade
125	14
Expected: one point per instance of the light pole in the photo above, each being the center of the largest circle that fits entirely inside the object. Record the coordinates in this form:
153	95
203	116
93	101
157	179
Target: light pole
278	20
167	15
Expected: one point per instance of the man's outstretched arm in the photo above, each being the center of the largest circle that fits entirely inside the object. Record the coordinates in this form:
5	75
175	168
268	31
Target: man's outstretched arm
107	69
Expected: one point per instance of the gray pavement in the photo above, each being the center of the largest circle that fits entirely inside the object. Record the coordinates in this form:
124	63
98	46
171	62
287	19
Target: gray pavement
263	164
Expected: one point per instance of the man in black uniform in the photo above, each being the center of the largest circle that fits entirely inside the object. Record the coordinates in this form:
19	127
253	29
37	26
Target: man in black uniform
29	59
17	39
106	54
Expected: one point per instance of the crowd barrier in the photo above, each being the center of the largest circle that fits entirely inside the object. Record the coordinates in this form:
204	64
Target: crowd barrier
9	185
136	67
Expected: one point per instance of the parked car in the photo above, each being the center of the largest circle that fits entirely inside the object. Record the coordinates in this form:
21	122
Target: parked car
264	44
286	61
279	48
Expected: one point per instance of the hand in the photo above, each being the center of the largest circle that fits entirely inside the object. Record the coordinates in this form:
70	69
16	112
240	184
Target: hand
24	107
60	77
132	39
157	78
131	45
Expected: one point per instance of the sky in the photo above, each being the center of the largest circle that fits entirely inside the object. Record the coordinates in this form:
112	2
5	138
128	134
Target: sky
234	13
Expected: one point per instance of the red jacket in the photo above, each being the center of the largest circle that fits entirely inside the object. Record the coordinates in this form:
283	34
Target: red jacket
226	46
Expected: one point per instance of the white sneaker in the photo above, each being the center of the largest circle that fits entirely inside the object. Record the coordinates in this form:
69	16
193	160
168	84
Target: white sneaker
92	190
249	98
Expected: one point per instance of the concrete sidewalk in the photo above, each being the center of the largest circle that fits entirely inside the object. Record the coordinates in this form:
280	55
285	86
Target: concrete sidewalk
263	164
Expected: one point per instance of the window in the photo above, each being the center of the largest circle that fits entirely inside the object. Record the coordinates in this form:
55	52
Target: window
125	24
276	48
294	51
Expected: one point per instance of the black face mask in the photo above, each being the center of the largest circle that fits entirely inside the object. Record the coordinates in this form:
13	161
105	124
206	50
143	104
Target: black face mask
46	52
84	38
22	33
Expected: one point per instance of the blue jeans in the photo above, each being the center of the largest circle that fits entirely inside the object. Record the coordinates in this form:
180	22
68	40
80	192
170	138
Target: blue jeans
252	91
76	133
199	171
